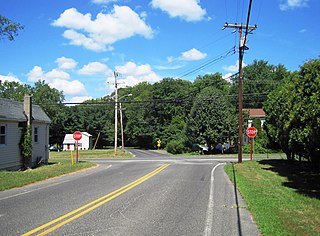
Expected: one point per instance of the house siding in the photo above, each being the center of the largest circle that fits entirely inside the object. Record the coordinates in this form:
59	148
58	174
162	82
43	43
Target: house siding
40	151
10	152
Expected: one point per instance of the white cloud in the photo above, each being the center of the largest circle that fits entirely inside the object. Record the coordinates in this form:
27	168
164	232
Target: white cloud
94	68
79	99
36	74
100	33
234	68
9	78
56	74
66	63
292	4
192	55
227	77
132	74
58	79
189	10
73	87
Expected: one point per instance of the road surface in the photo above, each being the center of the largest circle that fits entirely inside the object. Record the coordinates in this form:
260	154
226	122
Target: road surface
150	194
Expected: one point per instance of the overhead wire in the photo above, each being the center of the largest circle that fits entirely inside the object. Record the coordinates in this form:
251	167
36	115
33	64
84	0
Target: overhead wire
207	63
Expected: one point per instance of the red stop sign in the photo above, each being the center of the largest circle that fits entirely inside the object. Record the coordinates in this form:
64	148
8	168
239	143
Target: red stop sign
251	132
77	135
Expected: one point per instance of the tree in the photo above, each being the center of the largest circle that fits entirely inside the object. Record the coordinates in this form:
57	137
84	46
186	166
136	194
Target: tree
14	90
259	79
293	113
50	99
9	29
212	119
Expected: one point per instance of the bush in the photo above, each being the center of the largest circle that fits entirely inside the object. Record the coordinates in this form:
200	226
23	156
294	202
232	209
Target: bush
258	149
176	147
26	147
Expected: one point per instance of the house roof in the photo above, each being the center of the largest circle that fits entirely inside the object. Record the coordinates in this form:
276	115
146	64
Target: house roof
68	138
86	134
13	110
255	112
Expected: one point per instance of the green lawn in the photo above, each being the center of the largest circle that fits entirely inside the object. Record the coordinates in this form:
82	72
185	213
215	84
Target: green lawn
98	153
12	179
283	197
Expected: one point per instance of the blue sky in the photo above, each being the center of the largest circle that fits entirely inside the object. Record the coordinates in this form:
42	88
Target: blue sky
76	45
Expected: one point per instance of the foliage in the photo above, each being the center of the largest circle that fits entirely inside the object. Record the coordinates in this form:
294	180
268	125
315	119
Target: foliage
9	29
212	119
293	113
176	147
26	148
14	90
259	79
257	148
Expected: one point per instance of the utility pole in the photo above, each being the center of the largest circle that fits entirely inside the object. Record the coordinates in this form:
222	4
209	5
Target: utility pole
116	74
242	47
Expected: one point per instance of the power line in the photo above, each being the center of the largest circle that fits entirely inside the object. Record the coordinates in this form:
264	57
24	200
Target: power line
206	64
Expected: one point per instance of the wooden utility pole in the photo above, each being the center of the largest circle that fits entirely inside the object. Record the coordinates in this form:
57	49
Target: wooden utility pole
242	47
116	74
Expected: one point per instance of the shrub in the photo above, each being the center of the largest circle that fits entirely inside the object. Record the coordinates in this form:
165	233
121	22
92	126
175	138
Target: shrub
26	148
258	149
176	147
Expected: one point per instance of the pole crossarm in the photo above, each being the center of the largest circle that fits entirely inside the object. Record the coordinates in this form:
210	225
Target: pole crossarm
240	26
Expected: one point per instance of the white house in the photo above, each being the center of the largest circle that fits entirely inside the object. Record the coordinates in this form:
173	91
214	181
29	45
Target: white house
14	117
85	143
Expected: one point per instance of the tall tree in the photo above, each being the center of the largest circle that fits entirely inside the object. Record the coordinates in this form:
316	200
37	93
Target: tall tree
212	119
293	113
259	79
9	29
14	90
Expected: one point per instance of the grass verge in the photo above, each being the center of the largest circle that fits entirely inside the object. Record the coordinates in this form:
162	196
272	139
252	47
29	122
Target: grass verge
283	197
98	153
12	179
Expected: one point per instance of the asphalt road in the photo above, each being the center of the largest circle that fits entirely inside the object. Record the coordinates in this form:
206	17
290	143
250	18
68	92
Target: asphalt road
150	194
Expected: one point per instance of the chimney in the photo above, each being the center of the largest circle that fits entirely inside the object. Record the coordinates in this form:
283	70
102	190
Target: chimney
27	107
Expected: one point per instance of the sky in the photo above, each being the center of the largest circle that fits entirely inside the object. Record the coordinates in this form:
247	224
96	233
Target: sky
76	46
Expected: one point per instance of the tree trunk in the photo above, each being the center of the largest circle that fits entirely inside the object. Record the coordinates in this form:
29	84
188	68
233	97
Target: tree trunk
315	159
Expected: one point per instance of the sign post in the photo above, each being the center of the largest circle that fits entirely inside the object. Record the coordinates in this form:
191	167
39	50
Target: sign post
77	136
251	132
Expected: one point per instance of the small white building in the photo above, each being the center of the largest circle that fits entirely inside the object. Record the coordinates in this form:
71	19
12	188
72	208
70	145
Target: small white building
85	143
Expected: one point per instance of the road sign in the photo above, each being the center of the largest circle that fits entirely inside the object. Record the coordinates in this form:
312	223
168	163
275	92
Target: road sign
77	135
251	132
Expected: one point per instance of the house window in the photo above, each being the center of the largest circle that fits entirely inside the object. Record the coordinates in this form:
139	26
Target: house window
36	134
2	134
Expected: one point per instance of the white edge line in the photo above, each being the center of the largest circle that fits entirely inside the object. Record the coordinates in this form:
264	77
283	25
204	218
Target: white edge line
209	217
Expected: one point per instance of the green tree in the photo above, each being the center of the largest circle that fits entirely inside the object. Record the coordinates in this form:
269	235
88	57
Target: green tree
50	100
9	29
293	113
259	79
26	148
14	90
212	119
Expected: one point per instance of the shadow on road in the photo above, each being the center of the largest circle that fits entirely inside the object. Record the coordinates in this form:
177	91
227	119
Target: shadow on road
299	176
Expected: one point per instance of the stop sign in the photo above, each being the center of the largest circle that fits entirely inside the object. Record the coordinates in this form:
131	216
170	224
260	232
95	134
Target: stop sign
251	132
77	135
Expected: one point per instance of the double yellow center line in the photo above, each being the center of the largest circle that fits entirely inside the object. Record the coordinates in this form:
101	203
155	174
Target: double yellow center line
59	222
